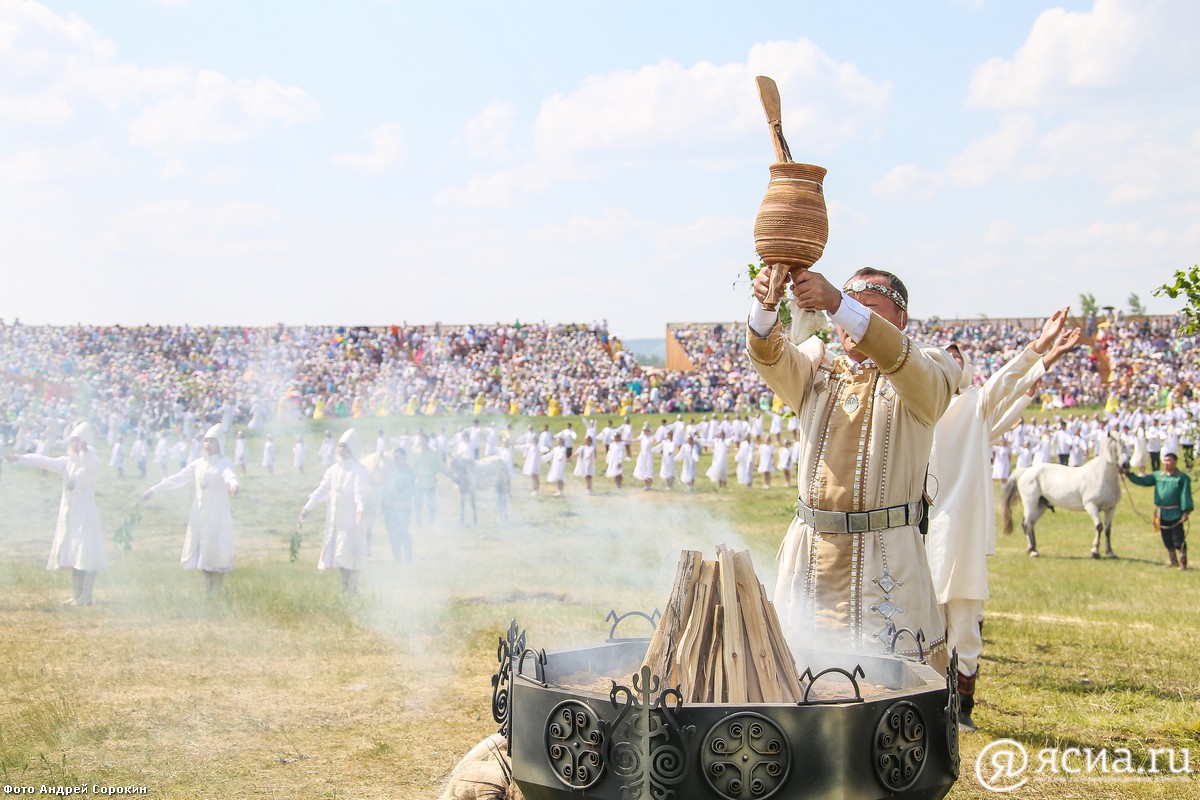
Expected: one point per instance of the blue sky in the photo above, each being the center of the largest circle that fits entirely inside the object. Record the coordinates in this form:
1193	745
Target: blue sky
374	162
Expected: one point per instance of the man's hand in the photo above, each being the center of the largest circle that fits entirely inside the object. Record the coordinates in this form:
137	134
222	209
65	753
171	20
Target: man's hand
303	514
812	290
762	283
1050	330
1065	344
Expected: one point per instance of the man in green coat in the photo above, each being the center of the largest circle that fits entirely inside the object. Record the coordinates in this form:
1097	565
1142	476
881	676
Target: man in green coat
1173	505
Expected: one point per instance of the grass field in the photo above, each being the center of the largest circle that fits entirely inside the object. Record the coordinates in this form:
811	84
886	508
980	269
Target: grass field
283	688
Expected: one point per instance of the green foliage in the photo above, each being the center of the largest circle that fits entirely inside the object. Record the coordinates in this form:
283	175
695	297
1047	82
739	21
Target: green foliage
1135	305
124	532
294	543
1187	285
1088	305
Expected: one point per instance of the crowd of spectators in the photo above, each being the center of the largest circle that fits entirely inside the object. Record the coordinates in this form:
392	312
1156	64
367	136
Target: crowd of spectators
152	378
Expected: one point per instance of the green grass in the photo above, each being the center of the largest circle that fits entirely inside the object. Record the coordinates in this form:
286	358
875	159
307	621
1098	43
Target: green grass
282	688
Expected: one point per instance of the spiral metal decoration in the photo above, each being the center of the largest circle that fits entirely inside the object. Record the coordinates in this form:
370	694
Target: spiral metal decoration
952	707
746	756
575	744
900	746
511	647
648	748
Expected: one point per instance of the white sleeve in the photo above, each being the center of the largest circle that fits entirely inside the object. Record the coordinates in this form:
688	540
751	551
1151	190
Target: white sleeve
853	316
761	320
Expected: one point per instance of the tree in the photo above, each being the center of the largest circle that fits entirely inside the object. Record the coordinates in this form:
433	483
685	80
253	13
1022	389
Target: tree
1088	305
1135	306
1186	284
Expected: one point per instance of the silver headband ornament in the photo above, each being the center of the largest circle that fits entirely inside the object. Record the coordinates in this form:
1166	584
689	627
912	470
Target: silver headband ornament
861	285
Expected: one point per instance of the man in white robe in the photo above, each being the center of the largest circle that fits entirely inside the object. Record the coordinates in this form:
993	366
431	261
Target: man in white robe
962	523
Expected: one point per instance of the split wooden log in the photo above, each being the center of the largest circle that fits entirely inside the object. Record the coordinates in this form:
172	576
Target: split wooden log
720	640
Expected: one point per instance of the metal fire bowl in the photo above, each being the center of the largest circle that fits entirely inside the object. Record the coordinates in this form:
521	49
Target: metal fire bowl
639	742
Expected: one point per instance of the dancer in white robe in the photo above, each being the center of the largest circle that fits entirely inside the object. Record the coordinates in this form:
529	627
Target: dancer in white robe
557	459
783	462
299	455
666	469
687	456
745	463
532	465
268	457
345	485
208	540
765	451
78	543
718	472
585	460
614	460
643	469
241	457
1001	461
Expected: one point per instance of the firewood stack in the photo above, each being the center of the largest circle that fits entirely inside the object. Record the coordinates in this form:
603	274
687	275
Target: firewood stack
719	639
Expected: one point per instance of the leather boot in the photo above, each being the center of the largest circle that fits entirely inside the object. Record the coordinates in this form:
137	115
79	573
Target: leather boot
85	594
1174	561
1183	556
966	701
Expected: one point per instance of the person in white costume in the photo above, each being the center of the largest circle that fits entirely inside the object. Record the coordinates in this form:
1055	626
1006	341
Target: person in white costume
241	457
962	530
745	463
688	455
78	543
666	468
532	465
765	451
345	486
557	458
208	540
643	469
718	472
299	454
268	457
614	460
585	462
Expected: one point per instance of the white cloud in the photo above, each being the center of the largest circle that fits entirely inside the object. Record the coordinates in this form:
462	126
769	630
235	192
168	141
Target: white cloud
57	71
503	189
908	182
670	112
214	109
994	155
1123	46
387	150
39	165
488	134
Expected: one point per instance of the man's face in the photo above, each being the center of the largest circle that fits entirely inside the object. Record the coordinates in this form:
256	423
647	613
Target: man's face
1169	464
881	306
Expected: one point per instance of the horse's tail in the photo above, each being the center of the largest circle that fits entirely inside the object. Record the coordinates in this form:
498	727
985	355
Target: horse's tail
1006	499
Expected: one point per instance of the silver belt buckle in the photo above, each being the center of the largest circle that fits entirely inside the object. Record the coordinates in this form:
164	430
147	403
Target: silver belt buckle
830	522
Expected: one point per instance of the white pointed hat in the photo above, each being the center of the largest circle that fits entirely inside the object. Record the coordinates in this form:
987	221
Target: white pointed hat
83	431
216	433
350	439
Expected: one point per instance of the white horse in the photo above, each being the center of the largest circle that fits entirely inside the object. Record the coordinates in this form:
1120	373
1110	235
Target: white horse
470	476
1095	488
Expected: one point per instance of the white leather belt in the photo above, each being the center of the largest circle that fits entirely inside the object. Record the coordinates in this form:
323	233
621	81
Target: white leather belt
859	521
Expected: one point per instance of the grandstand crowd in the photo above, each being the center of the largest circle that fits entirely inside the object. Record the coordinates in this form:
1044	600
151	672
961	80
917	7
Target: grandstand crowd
147	389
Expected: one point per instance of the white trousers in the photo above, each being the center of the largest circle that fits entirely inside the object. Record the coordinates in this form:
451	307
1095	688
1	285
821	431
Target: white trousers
963	618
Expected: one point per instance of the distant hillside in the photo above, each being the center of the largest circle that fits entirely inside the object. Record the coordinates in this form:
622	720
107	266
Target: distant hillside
649	352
